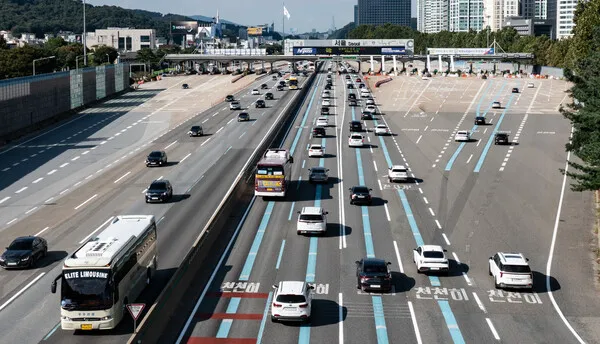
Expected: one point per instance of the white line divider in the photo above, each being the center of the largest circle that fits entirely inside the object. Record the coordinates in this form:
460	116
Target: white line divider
398	257
341	327
86	201
492	328
479	303
172	143
414	322
14	297
42	231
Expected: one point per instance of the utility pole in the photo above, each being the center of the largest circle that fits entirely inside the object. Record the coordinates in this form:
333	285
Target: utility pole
83	38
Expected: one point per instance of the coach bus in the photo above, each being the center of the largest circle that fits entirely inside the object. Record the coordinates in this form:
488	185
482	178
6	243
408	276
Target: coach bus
106	273
293	82
273	173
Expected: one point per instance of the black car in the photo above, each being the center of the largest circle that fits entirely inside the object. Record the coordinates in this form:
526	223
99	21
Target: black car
156	158
279	88
479	120
355	126
260	103
305	73
185	86
328	87
318	174
373	274
515	90
243	117
319	131
361	86
24	252
324	110
282	83
351	96
264	86
274	77
352	102
196	130
159	191
269	96
350	86
229	98
366	115
347	77
501	139
360	194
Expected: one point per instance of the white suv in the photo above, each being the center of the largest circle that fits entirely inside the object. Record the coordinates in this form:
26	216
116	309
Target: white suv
292	301
397	172
510	270
356	140
316	150
462	135
312	220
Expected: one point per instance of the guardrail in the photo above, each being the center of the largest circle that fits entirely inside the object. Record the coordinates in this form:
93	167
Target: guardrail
237	197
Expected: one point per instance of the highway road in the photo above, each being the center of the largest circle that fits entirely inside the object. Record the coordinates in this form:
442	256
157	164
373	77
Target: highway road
92	168
474	199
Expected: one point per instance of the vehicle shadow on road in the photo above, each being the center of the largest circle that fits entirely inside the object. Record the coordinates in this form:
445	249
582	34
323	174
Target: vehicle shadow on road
456	268
539	283
51	258
401	282
333	230
324	312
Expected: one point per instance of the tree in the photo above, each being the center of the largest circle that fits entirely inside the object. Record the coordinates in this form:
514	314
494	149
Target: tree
587	18
584	114
100	55
146	55
3	44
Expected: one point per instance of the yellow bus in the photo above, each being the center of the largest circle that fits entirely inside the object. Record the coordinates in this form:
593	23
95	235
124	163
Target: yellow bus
293	82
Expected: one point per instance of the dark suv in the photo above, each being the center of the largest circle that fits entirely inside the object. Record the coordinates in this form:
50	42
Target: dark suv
159	191
229	98
156	158
24	252
480	120
319	131
373	274
351	96
324	110
360	194
366	115
355	126
501	139
196	130
264	86
185	86
269	96
260	103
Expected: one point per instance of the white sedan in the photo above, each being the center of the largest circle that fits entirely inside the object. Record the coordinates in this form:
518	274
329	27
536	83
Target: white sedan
382	129
326	102
316	151
322	122
356	140
430	258
370	102
255	91
462	135
325	94
371	108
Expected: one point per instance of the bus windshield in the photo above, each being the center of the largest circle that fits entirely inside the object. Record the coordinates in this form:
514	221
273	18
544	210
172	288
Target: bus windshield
86	290
269	170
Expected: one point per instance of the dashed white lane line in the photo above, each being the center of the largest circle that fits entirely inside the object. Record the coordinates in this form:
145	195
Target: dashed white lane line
62	192
37	180
446	239
463	273
123	176
479	303
4	199
203	143
75	158
172	143
218	131
21	190
425	200
492	328
206	120
431	211
400	267
470	157
63	165
14	297
244	133
103	142
30	210
231	120
375	165
11	221
380	187
42	231
438	224
86	201
419	139
97	229
185	157
216	113
414	322
387	212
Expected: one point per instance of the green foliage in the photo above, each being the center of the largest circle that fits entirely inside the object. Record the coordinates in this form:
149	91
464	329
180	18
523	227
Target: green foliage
343	32
587	18
584	114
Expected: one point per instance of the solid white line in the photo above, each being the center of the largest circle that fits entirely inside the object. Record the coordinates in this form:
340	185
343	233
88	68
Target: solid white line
123	176
172	143
89	199
51	172
341	319
159	178
387	212
4	199
185	157
414	322
419	139
214	273
30	210
551	254
375	165
221	128
479	303
42	231
489	322
398	257
63	165
37	180
438	224
97	229
446	239
21	291
21	190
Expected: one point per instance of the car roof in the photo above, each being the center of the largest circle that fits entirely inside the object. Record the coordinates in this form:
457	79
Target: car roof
311	210
512	258
160	181
315	146
430	248
318	168
373	261
291	287
27	238
462	132
400	167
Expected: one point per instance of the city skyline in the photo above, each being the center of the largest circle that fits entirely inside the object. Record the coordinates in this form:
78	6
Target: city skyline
303	17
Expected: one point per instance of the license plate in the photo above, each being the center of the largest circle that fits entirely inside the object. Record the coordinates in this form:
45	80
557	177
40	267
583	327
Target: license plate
11	263
154	197
361	196
375	286
86	326
435	268
289	309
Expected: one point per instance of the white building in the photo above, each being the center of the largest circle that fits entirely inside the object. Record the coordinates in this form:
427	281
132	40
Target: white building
564	18
122	39
465	15
432	15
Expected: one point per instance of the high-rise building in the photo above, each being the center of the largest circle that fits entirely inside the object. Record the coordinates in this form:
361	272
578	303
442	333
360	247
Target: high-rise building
379	12
465	15
356	15
565	12
432	15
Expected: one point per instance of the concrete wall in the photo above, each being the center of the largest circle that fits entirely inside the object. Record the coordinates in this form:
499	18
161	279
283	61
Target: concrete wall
29	101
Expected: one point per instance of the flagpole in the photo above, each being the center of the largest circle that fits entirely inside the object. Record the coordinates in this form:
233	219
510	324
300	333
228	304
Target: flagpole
283	29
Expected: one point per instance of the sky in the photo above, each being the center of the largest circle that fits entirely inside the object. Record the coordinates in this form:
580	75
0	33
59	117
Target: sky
305	15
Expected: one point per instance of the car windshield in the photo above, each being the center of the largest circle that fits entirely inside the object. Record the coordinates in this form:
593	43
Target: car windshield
315	147
462	133
356	137
19	245
381	126
158	186
375	268
317	170
195	128
311	218
399	170
433	254
270	170
155	154
291	298
361	189
517	268
86	290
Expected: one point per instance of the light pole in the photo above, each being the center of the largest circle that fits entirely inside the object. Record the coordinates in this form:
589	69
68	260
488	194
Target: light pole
43	58
488	31
77	59
84	38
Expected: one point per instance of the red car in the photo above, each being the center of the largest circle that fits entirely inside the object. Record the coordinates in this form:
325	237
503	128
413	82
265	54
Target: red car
358	80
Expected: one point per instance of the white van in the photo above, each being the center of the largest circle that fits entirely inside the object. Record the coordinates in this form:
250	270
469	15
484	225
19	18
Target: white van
312	220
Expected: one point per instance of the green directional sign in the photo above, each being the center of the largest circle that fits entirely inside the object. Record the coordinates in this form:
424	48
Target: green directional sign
349	57
326	58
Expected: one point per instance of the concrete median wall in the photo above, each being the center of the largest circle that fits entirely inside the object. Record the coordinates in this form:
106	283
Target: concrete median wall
31	102
238	197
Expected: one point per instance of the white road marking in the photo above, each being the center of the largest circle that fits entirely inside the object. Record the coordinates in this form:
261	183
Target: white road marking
63	165
14	297
438	224
30	210
419	139
5	169
489	322
21	190
103	142
75	158
421	191
387	212
216	113
446	239
244	133
37	180
49	199
469	159
86	201
231	120
219	130
205	142
379	182
414	322
206	120
398	257
144	191
431	211
185	157
4	199
62	192
11	221
42	231
123	176
172	143
425	200
479	303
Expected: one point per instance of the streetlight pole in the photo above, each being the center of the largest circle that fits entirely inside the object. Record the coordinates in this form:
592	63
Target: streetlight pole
40	59
84	38
488	32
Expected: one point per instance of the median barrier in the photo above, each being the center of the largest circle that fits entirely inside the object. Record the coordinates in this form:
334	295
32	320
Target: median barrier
381	82
237	78
238	197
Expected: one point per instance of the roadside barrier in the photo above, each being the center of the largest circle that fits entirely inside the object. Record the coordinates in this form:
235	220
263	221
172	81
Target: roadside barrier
381	82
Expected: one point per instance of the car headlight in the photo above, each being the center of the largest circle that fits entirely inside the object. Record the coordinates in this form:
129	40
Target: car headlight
108	317
25	259
1	259
65	318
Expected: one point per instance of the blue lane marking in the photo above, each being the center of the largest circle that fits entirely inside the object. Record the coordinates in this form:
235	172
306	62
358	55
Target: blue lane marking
299	133
487	88
291	211
489	143
304	336
280	255
353	114
361	176
380	327
457	337
462	145
225	326
367	232
52	332
263	322
245	275
312	261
